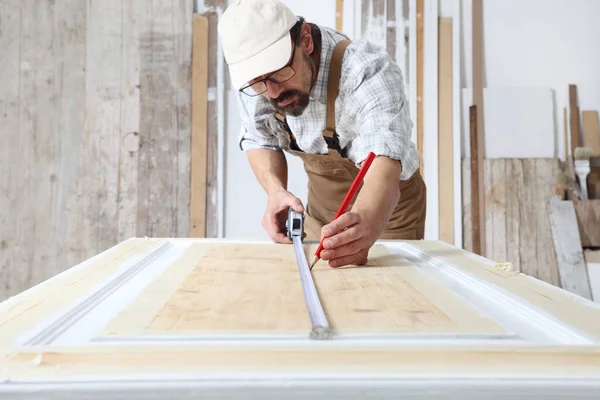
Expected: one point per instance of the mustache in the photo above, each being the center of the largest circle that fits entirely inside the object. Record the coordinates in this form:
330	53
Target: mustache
285	95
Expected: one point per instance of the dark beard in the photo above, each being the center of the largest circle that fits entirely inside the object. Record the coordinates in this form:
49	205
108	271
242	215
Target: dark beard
297	107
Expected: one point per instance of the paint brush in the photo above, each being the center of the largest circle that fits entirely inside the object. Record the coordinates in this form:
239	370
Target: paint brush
349	196
582	168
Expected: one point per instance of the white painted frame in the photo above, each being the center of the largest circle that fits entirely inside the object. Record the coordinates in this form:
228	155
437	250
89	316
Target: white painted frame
219	92
430	116
457	121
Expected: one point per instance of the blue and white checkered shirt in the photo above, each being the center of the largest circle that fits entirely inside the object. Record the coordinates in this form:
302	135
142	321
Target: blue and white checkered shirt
372	112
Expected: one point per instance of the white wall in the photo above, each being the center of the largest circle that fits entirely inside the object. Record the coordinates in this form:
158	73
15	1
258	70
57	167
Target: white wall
540	43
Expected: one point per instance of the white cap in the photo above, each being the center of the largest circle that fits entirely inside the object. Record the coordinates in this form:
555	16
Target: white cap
255	35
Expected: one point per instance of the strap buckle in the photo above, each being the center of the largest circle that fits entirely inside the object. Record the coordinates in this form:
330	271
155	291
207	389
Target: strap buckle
333	141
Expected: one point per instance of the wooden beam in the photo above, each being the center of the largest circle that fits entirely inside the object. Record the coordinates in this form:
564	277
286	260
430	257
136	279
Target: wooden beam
199	127
567	244
445	132
339	15
476	186
478	147
419	74
574	119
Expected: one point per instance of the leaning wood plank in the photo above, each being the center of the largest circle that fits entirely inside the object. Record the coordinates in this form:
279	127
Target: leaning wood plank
477	143
498	189
12	173
199	127
574	118
181	26
100	151
419	74
212	185
445	132
130	122
514	192
528	220
466	205
477	188
567	244
591	133
165	106
391	23
339	15
588	221
546	170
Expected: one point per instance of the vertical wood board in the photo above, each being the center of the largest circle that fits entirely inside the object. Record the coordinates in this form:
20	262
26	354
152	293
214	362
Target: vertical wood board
571	264
591	132
199	127
445	132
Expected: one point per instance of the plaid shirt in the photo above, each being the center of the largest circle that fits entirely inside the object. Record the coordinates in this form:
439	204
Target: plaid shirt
372	112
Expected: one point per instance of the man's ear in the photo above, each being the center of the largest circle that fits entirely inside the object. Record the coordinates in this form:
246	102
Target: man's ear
306	40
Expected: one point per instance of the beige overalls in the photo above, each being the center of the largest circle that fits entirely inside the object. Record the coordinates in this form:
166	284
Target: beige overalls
330	176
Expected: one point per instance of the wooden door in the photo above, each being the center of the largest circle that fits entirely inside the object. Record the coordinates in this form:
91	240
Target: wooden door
227	317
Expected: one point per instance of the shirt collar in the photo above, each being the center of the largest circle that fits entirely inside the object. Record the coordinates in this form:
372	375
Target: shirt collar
319	90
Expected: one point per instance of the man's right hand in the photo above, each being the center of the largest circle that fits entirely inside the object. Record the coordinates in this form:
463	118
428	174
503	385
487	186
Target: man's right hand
276	214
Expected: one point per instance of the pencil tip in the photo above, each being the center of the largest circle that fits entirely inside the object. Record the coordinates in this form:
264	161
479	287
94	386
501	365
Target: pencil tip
313	263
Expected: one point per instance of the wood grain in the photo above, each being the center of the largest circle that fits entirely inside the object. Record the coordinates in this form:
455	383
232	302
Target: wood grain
574	119
10	168
516	221
591	132
72	103
225	293
212	185
199	127
477	187
588	221
128	195
419	75
477	141
445	132
567	244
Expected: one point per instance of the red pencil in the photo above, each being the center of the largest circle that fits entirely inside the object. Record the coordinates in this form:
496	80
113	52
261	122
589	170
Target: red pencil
344	206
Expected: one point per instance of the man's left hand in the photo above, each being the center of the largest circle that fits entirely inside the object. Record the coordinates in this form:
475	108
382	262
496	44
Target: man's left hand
348	240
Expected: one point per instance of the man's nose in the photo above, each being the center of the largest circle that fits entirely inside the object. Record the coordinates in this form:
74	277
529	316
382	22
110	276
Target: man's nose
274	89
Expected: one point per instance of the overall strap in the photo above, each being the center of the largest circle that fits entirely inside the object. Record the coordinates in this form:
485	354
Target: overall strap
333	87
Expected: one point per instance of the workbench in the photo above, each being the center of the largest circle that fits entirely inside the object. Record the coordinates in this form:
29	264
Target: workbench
189	318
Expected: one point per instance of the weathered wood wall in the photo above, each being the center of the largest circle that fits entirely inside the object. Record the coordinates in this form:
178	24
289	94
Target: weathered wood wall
95	128
516	218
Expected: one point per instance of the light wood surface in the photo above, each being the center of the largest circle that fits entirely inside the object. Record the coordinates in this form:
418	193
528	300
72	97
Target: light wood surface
199	127
591	132
445	132
253	288
389	281
574	118
588	221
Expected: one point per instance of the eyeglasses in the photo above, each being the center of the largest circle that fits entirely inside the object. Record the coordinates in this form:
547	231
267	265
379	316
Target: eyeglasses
280	76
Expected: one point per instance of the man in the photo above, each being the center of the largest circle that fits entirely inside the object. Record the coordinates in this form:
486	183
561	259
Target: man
330	108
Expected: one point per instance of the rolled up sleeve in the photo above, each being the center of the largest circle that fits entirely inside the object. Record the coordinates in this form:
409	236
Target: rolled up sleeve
255	129
376	99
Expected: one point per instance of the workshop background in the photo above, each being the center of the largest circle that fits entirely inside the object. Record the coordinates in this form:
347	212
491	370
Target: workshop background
117	120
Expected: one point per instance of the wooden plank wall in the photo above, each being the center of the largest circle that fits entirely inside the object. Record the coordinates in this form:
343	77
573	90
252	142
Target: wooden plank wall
515	218
95	122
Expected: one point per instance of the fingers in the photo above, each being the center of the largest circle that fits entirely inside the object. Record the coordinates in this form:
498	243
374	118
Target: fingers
271	225
349	249
359	258
342	222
